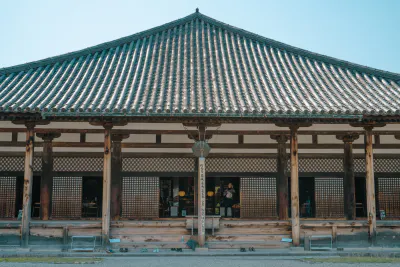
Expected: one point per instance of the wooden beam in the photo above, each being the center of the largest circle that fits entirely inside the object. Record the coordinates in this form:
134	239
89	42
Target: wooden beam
28	181
184	132
14	137
82	137
189	145
294	186
349	179
116	180
282	177
240	139
46	179
158	138
370	184
105	226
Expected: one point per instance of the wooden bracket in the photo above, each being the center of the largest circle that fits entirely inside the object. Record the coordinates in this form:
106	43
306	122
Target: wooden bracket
348	138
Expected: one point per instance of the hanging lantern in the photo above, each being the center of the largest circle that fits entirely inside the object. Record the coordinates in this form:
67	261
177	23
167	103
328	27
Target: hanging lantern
182	193
210	193
201	149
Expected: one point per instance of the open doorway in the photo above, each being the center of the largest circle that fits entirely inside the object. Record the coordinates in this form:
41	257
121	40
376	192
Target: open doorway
176	197
19	193
361	203
228	204
307	197
92	192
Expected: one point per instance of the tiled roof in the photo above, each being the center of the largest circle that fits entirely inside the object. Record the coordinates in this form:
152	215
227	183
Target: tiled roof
197	66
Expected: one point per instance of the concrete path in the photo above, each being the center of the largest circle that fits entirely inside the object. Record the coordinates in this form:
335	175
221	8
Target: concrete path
243	261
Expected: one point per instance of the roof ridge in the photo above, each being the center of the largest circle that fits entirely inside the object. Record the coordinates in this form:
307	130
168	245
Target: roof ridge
307	53
197	14
96	48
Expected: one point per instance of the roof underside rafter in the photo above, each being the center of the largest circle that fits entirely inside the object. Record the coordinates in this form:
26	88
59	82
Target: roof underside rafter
197	66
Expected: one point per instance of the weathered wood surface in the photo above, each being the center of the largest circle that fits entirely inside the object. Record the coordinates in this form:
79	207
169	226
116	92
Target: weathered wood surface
256	231
282	178
10	231
184	132
349	179
46	182
28	182
246	238
256	245
189	145
151	238
106	184
294	186
77	232
147	224
116	176
370	184
49	232
148	231
252	223
209	223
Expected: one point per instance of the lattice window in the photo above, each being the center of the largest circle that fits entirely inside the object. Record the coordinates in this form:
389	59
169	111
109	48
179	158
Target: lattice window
67	197
389	196
386	165
140	197
12	163
78	164
359	164
319	165
7	196
241	165
158	164
257	197
37	163
329	198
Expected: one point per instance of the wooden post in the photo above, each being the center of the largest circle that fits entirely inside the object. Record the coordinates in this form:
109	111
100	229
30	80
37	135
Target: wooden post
294	185
348	179
282	177
201	202
116	173
28	180
106	184
46	180
370	184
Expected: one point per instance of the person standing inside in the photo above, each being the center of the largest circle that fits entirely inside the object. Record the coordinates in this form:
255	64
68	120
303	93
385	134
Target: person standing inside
228	198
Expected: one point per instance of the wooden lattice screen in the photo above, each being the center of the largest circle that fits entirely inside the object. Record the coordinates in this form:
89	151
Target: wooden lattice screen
389	196
257	197
7	196
67	197
329	198
140	197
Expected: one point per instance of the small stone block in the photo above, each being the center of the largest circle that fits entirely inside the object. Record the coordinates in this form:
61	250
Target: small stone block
201	250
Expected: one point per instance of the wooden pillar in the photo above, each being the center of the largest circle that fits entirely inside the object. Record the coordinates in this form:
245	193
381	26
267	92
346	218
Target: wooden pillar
116	174
28	180
106	184
294	185
201	202
46	181
348	179
282	177
370	184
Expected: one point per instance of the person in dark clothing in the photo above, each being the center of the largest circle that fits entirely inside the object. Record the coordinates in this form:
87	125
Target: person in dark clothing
228	198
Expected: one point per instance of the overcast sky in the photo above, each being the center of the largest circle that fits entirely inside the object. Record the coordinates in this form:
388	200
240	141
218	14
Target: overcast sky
361	31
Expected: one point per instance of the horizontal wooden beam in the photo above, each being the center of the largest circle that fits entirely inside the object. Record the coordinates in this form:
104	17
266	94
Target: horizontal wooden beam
189	145
184	132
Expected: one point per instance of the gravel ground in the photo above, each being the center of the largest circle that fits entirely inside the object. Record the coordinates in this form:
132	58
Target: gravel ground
203	262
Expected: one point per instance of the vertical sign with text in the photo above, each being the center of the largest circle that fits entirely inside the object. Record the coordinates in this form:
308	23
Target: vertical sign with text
202	201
